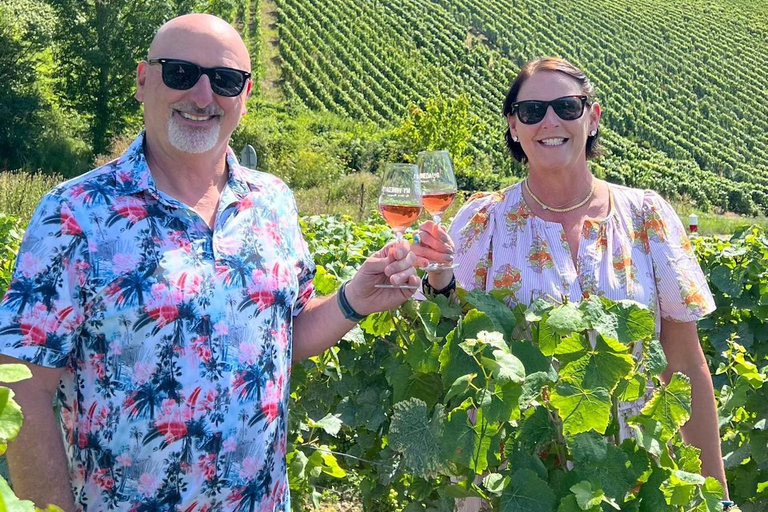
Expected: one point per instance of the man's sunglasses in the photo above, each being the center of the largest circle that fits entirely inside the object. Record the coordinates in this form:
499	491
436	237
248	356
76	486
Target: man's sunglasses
182	75
567	108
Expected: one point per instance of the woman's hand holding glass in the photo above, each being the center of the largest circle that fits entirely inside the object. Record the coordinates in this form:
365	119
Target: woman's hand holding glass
432	244
438	189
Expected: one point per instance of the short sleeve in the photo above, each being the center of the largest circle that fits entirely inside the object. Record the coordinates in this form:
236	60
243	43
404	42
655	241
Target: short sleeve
684	295
43	308
471	232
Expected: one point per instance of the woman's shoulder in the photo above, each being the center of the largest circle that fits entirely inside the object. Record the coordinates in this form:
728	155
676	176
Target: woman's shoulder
636	198
490	200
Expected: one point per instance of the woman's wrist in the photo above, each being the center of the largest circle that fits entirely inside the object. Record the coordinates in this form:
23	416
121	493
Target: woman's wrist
439	286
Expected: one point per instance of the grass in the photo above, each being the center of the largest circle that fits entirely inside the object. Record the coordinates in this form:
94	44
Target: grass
21	191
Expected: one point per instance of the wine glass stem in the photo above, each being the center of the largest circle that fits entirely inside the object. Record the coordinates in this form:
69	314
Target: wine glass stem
436	218
399	236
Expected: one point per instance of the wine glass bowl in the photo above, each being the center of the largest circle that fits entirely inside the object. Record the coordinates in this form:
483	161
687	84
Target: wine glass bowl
438	189
400	201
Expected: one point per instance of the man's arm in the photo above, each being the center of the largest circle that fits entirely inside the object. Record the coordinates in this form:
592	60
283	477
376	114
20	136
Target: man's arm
681	346
322	323
36	458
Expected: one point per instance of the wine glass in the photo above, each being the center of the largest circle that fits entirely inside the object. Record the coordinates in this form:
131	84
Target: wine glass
438	189
400	202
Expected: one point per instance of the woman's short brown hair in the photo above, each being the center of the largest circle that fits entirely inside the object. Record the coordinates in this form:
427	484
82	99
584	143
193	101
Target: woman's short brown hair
594	148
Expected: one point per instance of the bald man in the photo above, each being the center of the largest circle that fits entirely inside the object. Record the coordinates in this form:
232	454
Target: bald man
160	300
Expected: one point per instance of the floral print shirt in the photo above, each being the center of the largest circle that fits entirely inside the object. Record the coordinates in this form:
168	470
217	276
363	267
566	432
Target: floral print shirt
175	337
639	251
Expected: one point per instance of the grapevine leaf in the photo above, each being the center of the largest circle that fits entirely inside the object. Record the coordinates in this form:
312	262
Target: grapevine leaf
416	436
670	405
448	308
713	492
408	384
519	459
429	313
632	389
650	495
378	324
581	409
14	372
10	502
649	434
504	403
422	355
533	386
506	367
656	361
454	362
537	429
532	358
588	498
495	482
569	504
537	310
459	387
680	488
567	319
633	321
599	368
466	443
10	416
331	424
527	492
597	460
493	339
324	282
547	339
497	311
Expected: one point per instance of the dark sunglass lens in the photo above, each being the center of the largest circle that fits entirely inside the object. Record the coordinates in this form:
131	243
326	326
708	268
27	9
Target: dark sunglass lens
568	108
531	112
227	82
180	75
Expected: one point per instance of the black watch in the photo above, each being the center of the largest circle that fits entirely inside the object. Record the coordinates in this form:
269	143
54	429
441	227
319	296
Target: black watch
428	289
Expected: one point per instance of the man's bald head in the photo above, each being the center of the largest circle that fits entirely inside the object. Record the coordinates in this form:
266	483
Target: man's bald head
199	38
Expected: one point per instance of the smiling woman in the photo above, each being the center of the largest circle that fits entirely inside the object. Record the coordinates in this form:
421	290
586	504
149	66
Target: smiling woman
563	235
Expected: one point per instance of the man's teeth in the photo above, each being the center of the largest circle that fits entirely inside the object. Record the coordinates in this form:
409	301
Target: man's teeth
553	142
194	117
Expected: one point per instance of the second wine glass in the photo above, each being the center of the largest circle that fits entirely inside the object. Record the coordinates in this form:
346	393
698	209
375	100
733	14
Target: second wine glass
400	201
438	189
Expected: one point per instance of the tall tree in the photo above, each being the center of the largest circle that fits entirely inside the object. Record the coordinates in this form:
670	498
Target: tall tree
100	43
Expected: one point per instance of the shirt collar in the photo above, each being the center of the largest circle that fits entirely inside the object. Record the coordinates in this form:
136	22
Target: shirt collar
132	173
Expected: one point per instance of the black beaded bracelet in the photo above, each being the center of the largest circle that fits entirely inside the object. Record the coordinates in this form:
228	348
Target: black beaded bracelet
346	309
428	289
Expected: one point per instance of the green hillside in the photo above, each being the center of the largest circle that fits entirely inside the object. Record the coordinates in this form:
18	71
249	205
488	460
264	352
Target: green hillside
682	84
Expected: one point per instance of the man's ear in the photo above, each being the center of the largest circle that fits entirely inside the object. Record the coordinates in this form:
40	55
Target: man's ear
248	91
141	77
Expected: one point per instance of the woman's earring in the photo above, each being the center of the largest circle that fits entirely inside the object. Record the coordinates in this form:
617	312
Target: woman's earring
514	138
593	133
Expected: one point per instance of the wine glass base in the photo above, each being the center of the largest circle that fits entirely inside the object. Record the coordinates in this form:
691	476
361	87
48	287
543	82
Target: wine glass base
397	286
440	266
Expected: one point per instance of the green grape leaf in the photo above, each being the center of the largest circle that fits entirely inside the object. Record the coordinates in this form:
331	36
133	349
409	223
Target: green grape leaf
505	367
331	424
416	436
429	313
532	387
650	495
713	492
546	337
624	321
527	492
569	504
448	308
504	403
588	498
497	311
408	384
597	460
532	358
422	355
581	409
567	319
495	482
537	309
656	361
10	503
537	429
632	389
324	282
465	443
14	372
454	362
680	488
670	405
378	324
459	387
599	368
10	416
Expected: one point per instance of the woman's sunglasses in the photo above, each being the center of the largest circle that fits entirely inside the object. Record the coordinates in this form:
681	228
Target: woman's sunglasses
567	108
182	75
